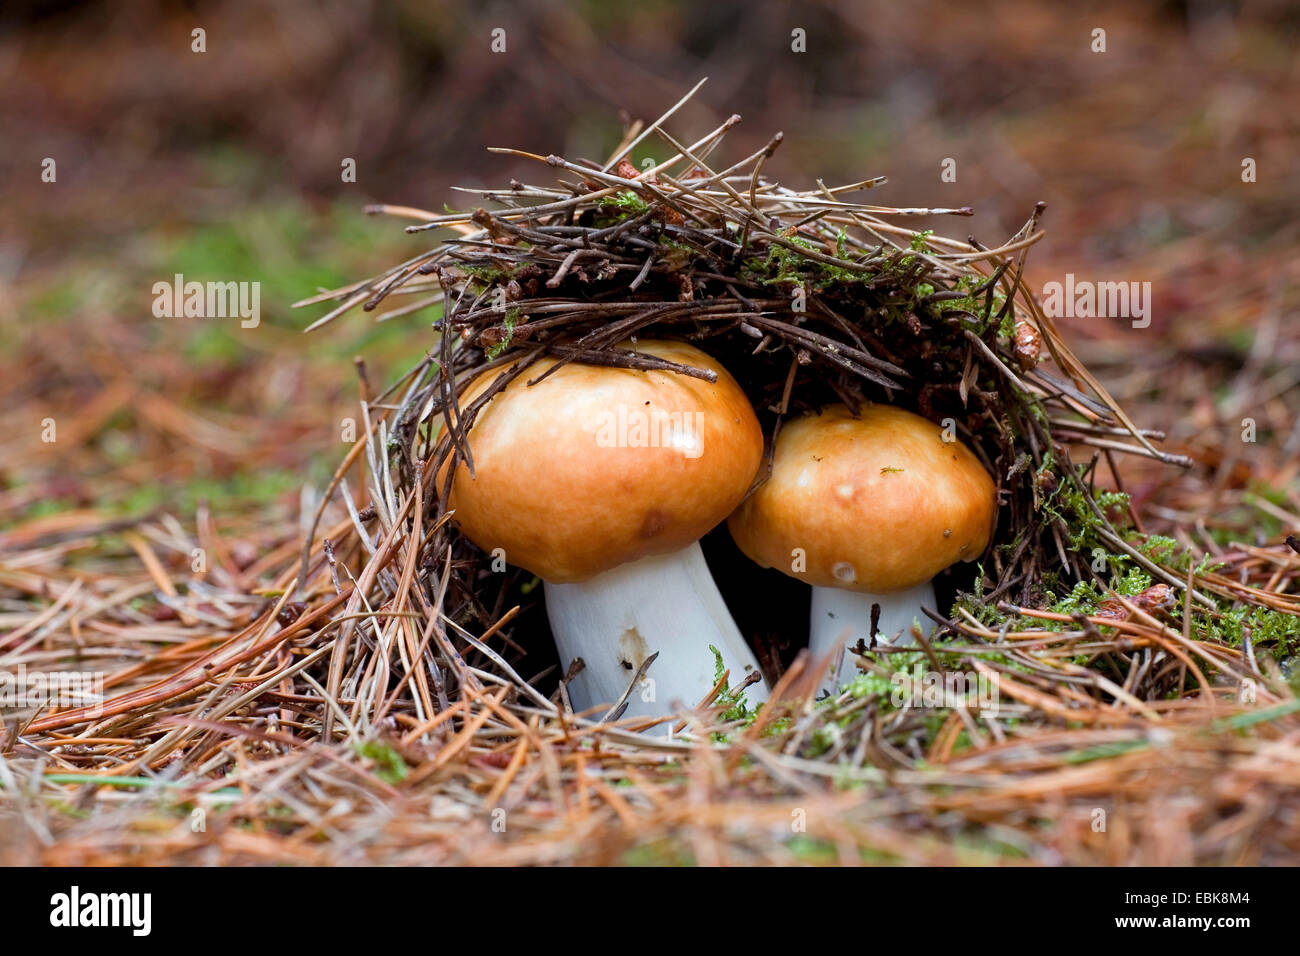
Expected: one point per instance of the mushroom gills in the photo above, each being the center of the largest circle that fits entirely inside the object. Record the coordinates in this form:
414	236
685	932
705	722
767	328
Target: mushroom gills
666	603
839	614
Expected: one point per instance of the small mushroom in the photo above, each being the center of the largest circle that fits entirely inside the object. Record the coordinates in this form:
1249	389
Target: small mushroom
601	481
867	510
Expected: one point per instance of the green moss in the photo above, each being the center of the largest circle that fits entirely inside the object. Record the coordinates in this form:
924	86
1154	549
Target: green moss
491	274
389	765
511	320
824	738
841	244
871	684
1168	553
1069	503
735	706
618	207
1267	628
921	241
778	725
784	266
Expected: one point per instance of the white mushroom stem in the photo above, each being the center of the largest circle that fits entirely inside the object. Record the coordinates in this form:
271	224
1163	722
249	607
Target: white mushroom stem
840	615
667	603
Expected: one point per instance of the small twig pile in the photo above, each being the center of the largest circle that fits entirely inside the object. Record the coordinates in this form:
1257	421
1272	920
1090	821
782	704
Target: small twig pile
806	298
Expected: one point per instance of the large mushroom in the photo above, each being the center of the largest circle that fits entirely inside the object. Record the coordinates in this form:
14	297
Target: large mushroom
867	510
601	481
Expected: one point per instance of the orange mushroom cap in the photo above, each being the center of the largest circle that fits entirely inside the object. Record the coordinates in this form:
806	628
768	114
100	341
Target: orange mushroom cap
593	466
876	503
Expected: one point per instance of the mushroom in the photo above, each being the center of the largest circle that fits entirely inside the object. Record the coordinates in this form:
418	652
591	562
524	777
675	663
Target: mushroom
601	481
867	510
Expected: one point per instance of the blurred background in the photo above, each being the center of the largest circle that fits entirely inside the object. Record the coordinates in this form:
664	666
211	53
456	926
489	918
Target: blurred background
225	165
